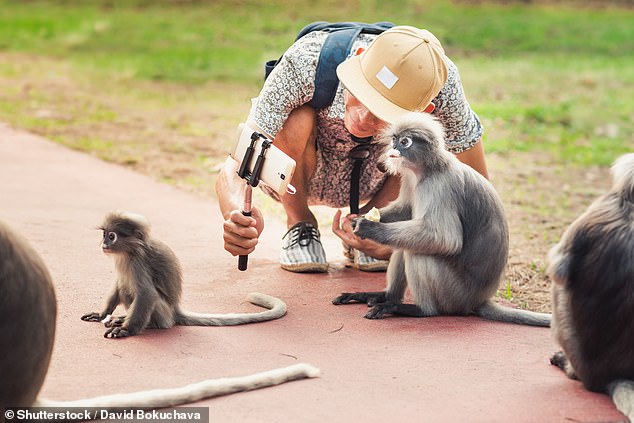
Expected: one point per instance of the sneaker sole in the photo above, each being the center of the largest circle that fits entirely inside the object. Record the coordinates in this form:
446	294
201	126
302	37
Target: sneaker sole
306	267
377	267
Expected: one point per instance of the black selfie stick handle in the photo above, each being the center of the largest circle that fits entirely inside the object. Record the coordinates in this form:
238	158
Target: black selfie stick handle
243	259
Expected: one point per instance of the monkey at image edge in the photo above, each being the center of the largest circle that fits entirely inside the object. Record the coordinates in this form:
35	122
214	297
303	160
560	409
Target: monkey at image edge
592	267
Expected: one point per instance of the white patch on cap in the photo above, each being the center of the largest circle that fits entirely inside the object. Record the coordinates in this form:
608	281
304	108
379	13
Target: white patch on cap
387	77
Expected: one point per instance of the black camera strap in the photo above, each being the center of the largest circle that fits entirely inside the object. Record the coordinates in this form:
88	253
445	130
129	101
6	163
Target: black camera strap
358	155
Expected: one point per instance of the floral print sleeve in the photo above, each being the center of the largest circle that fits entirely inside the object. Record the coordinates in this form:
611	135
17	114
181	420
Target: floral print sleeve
290	84
462	126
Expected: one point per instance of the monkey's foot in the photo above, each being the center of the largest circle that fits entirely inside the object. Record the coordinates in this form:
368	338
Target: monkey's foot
370	298
379	311
92	317
390	307
118	321
117	332
559	359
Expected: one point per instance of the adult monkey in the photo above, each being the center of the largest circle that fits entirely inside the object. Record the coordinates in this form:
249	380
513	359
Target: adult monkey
592	267
27	331
448	231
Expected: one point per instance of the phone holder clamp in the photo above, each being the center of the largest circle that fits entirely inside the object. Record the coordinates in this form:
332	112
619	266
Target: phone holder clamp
253	178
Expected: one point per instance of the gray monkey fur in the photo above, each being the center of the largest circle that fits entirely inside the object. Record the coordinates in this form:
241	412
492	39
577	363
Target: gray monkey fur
592	268
28	311
149	284
447	229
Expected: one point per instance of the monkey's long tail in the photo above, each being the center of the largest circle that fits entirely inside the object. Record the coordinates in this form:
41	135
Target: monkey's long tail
276	309
622	393
160	398
493	311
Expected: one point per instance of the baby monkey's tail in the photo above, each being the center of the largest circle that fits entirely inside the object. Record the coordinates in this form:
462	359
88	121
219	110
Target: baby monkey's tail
276	308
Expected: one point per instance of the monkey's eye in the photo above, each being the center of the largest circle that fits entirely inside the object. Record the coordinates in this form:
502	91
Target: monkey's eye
405	142
112	236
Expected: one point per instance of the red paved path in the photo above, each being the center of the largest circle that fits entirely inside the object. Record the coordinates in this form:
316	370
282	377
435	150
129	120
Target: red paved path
425	370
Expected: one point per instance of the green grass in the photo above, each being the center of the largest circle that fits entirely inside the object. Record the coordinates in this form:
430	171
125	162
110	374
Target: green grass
196	41
542	77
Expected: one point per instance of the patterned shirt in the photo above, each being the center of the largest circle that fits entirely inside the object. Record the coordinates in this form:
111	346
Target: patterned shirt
292	83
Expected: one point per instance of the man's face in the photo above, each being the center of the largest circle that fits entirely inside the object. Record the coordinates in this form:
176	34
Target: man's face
358	120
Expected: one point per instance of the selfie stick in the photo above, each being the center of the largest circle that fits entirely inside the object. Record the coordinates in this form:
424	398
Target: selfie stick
246	211
252	178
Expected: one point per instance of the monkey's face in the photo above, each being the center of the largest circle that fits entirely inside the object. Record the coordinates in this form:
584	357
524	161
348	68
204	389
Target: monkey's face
109	241
412	143
121	238
393	155
410	149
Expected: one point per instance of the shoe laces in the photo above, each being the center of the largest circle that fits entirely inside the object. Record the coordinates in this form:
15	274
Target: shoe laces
302	233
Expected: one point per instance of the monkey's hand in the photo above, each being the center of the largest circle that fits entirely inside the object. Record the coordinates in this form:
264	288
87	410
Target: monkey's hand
117	332
364	228
370	298
93	317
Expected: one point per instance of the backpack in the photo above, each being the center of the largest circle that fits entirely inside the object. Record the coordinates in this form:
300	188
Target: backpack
335	50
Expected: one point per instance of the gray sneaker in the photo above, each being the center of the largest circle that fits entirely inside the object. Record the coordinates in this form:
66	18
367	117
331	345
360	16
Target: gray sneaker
365	263
302	251
356	259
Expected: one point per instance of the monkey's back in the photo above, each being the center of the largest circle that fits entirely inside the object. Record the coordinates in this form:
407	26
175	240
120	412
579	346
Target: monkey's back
485	240
166	271
601	290
461	282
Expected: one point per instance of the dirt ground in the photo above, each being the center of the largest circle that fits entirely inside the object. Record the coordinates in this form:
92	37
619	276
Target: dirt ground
186	145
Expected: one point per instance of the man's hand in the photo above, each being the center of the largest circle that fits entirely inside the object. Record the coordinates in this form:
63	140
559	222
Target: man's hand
343	229
241	233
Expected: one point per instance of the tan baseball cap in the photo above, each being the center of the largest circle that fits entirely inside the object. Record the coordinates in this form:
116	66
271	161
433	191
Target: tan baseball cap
401	71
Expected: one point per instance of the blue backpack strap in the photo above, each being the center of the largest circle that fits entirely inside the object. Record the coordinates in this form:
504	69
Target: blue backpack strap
335	50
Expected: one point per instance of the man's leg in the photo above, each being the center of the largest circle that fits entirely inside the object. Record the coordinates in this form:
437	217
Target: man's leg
301	249
297	139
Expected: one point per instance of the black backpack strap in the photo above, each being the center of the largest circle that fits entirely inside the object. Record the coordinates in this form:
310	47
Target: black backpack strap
358	155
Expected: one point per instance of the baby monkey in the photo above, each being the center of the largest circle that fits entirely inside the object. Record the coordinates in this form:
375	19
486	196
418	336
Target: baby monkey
149	284
447	229
592	267
28	312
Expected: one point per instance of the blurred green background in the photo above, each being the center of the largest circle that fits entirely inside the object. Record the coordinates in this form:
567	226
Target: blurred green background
544	76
